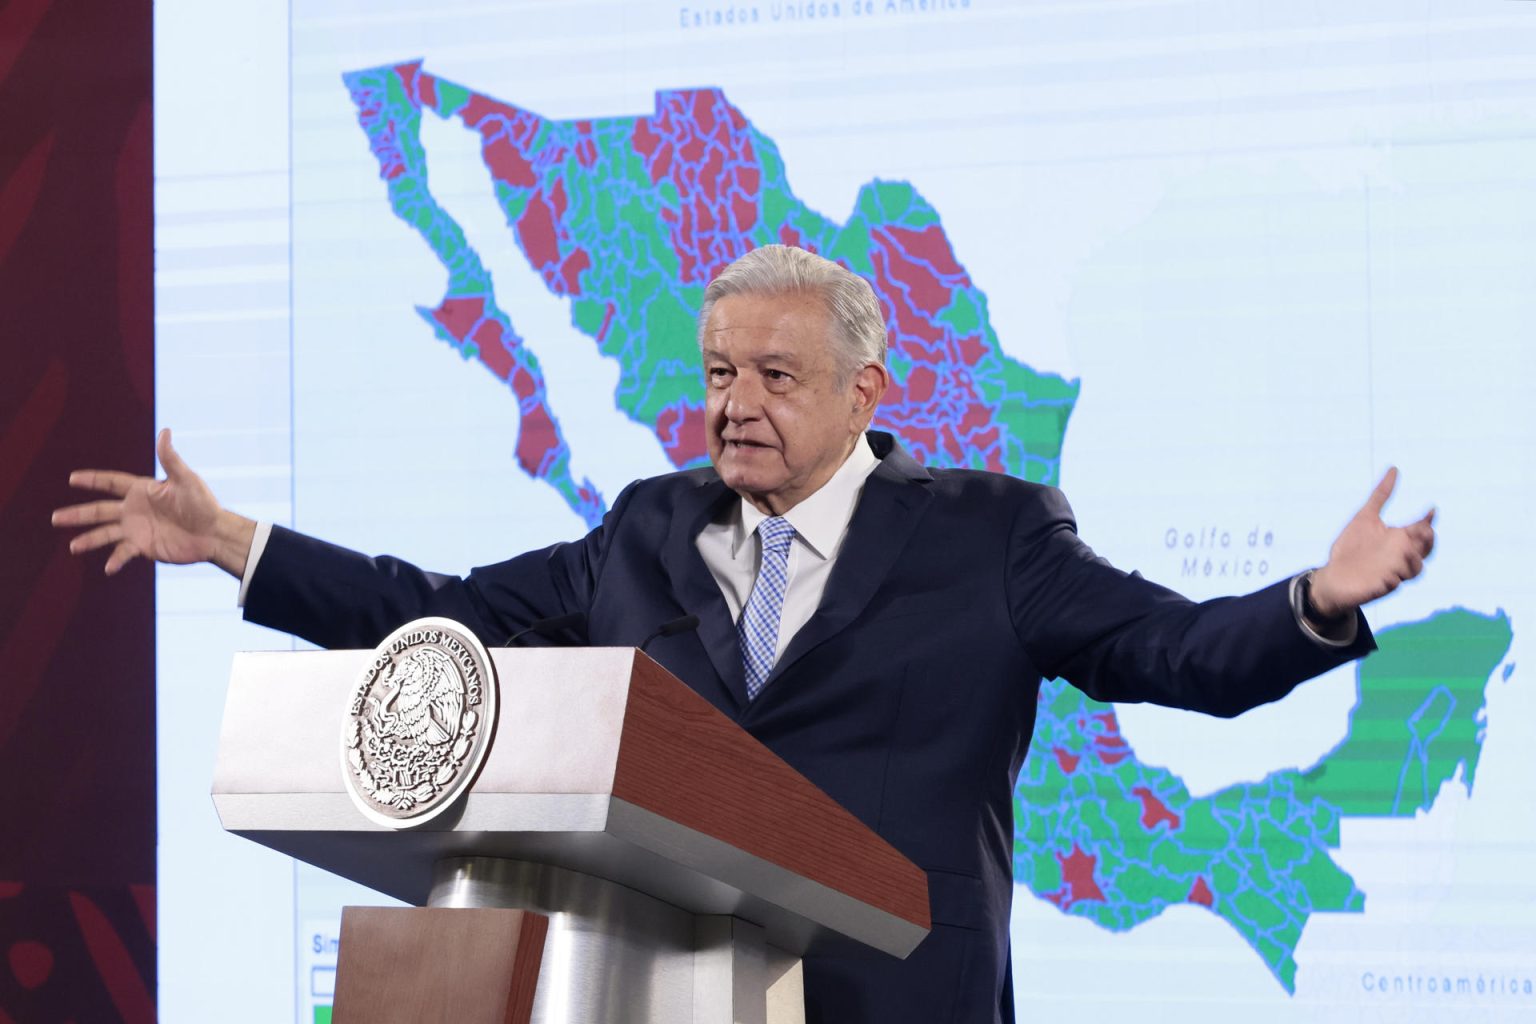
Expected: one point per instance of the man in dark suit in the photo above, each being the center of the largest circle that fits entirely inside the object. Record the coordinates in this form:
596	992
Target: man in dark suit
881	627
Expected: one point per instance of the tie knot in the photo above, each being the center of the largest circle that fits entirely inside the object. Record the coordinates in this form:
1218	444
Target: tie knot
776	534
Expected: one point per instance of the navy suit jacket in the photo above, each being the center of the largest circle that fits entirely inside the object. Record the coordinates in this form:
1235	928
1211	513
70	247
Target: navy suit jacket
909	696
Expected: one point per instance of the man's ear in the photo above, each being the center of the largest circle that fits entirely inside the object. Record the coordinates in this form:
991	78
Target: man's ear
869	386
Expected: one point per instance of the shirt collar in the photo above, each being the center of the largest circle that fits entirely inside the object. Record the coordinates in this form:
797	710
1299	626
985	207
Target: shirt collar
822	519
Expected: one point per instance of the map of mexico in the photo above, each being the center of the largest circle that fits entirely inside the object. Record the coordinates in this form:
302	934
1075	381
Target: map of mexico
614	188
629	217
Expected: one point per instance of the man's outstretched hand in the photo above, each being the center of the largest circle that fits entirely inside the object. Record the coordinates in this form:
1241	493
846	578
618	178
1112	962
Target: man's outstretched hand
1371	559
174	520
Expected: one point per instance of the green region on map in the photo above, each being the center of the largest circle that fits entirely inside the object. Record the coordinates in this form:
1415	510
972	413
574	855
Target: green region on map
1107	837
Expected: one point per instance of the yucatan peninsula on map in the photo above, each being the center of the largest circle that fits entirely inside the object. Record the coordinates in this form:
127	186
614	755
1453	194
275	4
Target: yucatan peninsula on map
630	217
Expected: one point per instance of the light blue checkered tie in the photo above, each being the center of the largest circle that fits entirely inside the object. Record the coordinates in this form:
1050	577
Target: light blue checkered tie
758	627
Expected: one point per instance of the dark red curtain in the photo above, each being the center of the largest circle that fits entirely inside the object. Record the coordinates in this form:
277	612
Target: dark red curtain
77	711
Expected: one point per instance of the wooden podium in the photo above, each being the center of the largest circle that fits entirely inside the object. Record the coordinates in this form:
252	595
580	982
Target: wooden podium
637	856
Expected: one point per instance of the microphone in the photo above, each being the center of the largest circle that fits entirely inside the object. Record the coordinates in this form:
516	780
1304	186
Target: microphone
682	624
549	626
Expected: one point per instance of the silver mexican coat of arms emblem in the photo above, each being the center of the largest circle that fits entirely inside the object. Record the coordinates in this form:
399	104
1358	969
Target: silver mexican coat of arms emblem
419	723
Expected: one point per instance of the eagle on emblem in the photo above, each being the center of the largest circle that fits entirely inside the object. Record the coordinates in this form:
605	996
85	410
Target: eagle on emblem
423	698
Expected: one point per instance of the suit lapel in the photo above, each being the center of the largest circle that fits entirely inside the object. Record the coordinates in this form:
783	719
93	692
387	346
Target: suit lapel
696	590
888	511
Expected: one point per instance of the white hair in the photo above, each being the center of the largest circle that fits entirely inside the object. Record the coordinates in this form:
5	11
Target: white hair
858	324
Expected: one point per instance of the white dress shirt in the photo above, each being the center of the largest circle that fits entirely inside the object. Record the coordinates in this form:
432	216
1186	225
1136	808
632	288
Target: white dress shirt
258	545
732	550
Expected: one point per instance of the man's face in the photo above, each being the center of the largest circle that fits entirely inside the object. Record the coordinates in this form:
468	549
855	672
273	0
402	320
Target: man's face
778	421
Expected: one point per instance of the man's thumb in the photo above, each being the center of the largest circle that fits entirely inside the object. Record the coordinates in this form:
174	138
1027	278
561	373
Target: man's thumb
167	454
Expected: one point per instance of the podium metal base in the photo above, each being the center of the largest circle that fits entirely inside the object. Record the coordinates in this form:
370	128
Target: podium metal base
617	956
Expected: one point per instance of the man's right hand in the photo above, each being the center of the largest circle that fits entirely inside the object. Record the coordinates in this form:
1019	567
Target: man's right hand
174	520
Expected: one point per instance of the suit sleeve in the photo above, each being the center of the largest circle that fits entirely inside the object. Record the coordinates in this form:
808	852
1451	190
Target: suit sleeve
1118	637
334	597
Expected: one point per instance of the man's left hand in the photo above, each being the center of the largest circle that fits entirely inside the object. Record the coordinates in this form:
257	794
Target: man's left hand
1371	559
